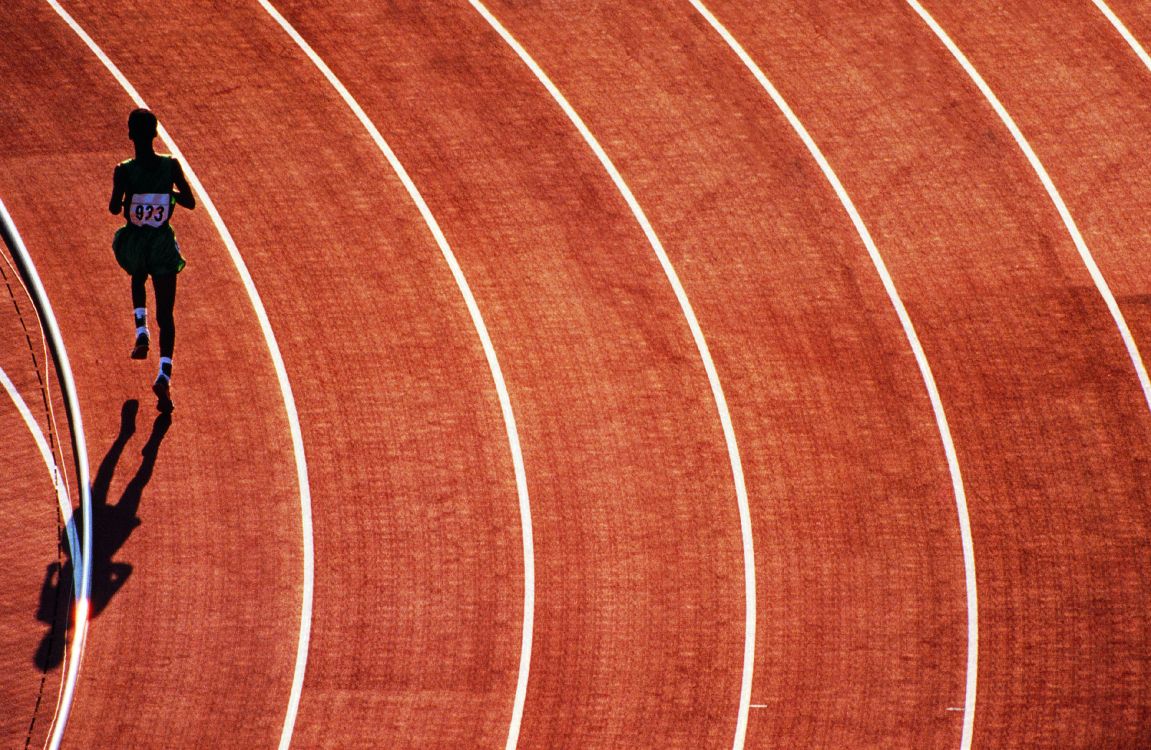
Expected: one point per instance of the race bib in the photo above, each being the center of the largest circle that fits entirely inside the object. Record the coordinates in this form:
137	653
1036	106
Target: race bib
150	209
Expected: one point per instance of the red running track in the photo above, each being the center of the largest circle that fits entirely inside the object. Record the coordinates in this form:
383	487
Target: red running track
861	631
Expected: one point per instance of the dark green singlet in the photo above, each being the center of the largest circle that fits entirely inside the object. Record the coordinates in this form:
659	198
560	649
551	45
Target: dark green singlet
146	244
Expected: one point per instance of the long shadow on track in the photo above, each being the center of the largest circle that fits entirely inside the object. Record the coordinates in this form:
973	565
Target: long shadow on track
112	525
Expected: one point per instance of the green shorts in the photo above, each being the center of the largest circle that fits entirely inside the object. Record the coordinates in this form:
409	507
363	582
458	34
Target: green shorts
144	250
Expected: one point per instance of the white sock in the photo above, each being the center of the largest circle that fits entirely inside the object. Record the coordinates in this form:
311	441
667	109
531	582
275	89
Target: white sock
165	367
141	316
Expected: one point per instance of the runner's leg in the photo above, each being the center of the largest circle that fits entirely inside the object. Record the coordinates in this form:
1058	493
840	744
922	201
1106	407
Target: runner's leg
139	291
165	289
140	315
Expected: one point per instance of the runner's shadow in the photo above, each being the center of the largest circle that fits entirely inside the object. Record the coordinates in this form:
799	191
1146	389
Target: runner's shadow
111	527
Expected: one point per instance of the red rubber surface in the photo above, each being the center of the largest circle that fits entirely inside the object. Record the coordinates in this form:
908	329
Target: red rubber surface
1048	417
861	634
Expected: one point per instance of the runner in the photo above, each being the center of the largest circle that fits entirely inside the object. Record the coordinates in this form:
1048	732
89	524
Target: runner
142	188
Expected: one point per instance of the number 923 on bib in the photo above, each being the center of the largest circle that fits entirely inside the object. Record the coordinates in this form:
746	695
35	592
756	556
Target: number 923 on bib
150	209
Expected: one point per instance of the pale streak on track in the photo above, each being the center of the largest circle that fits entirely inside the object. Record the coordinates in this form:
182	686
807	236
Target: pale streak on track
81	552
1136	47
58	480
1052	192
281	376
704	353
53	469
489	352
69	685
920	358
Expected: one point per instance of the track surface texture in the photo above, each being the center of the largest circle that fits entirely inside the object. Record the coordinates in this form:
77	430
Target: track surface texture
526	521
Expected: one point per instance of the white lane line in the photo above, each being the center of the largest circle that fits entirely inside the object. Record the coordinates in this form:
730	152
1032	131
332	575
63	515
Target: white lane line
281	377
704	353
1052	192
920	357
53	470
489	353
1122	29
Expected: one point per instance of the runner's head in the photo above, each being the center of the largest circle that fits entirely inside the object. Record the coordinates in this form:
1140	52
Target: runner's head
141	126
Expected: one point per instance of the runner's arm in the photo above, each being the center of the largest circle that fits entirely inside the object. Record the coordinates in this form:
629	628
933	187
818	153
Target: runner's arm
183	195
116	204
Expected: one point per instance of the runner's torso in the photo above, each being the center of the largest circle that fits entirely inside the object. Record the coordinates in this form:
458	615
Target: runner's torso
147	191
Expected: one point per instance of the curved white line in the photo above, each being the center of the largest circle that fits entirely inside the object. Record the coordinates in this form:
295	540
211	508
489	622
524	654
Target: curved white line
704	353
1136	47
53	470
489	352
281	377
82	557
1052	192
920	358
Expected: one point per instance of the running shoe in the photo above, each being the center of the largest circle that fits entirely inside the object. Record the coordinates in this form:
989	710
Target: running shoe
140	350
162	390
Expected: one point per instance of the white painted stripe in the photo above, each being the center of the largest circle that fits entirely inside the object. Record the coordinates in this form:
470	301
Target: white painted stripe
1052	192
1122	29
489	352
281	376
920	358
82	558
704	353
62	498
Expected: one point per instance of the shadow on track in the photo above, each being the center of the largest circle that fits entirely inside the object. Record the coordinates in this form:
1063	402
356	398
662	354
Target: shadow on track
112	525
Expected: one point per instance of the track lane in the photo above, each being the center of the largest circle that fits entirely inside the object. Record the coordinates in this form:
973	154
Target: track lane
1047	410
291	414
498	381
1084	107
739	485
417	531
141	680
798	317
1053	194
600	365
